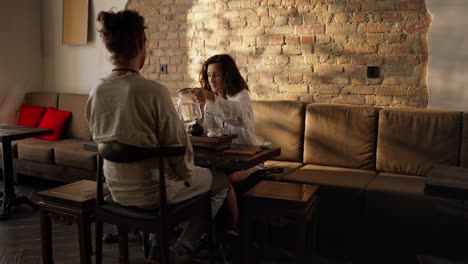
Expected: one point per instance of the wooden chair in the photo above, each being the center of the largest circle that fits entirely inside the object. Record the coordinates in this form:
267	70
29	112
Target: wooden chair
159	221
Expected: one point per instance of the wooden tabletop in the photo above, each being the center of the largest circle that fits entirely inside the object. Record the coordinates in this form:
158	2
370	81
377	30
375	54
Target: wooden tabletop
77	193
238	157
294	192
14	132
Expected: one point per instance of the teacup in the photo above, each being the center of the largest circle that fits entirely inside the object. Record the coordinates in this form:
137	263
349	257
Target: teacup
214	132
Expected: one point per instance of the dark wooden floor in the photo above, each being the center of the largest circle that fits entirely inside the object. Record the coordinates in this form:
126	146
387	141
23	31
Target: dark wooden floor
20	239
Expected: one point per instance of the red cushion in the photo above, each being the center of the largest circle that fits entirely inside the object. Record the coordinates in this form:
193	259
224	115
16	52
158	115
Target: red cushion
30	115
56	120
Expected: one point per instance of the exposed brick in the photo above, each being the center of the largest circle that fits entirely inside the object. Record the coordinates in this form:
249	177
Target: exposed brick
369	28
341	28
263	40
307	39
358	89
310	19
391	59
237	22
362	49
312	50
385	49
280	78
267	21
341	17
383	100
295	21
291	50
382	5
326	79
328	89
295	78
279	30
311	79
281	21
323	38
374	38
349	99
392	90
276	40
328	68
357	38
307	30
293	88
291	40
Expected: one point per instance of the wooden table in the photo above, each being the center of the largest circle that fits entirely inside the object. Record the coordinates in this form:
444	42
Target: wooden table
68	204
9	133
270	199
220	160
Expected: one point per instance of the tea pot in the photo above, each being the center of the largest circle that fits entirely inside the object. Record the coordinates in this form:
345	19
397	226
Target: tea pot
189	110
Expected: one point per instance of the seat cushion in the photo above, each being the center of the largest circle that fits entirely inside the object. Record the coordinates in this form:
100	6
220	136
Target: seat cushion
70	153
41	99
287	166
78	126
464	143
37	150
341	136
397	210
410	141
282	123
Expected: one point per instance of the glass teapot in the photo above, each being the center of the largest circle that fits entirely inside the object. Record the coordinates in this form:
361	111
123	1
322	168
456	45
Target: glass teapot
189	110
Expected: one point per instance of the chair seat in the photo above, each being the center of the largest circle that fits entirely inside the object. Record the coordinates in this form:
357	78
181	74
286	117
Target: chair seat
131	212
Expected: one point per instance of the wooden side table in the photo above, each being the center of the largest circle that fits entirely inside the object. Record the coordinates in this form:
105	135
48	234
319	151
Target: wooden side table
280	199
68	204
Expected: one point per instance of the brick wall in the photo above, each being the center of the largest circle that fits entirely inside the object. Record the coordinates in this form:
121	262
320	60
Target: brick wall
311	50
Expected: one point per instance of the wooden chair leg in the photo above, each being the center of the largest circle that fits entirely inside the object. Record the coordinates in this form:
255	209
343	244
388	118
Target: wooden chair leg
99	231
146	244
84	228
123	245
46	237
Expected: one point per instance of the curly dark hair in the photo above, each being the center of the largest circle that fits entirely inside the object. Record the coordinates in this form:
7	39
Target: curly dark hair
120	32
233	80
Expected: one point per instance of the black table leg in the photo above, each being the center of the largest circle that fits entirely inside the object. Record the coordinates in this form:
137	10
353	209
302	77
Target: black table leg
9	197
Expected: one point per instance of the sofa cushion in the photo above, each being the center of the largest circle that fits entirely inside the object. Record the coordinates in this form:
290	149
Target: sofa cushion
54	119
464	143
397	210
37	150
410	141
30	115
70	153
341	136
78	126
14	148
287	166
282	123
41	99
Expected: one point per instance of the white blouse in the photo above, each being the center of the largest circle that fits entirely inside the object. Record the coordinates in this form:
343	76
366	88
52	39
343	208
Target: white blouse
233	115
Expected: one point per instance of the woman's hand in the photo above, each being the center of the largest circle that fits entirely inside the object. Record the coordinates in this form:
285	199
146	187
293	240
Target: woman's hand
203	95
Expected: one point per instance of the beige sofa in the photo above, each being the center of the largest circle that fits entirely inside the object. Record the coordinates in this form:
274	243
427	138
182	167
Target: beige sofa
63	160
371	165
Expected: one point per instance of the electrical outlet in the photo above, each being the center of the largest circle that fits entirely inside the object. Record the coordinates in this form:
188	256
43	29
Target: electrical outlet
163	68
373	72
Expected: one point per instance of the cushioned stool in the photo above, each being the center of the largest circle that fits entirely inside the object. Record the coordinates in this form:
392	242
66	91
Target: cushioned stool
68	204
269	200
